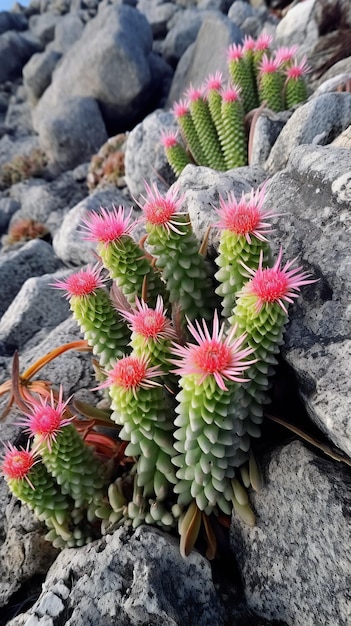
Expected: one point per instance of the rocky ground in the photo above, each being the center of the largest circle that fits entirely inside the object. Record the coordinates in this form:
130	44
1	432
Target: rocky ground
73	74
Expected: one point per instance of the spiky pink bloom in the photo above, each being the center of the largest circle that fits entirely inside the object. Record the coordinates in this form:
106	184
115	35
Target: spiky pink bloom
263	42
275	284
215	355
235	52
268	65
245	217
160	210
249	44
82	283
180	108
231	94
194	93
17	463
169	138
296	70
132	372
285	54
214	82
150	323
107	226
46	418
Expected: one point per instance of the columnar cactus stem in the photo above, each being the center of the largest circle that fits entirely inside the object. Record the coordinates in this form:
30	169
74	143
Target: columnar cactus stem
243	238
140	406
205	128
176	154
271	84
213	91
121	255
208	441
295	85
176	249
186	123
64	453
242	78
233	135
103	327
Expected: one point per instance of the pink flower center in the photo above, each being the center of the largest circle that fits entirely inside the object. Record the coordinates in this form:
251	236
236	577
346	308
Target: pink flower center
17	463
212	356
169	140
149	323
270	284
231	94
128	372
294	72
180	108
242	219
82	283
45	421
159	211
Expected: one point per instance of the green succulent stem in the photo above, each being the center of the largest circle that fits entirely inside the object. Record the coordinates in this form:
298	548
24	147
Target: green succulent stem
177	157
233	134
187	126
271	86
295	91
207	133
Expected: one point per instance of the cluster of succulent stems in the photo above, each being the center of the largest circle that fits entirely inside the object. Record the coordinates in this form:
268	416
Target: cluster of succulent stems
213	119
186	383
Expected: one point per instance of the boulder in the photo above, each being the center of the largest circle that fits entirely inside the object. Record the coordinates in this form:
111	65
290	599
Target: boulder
12	21
43	26
15	50
38	71
293	563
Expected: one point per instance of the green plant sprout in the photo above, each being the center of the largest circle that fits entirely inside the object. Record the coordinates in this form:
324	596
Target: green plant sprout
186	383
213	119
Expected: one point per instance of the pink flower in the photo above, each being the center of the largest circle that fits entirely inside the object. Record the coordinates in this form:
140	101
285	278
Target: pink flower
214	82
285	54
296	70
194	93
180	108
235	52
108	226
169	138
17	463
132	372
231	94
161	210
275	284
245	217
46	418
268	65
150	323
249	44
215	356
263	42
82	283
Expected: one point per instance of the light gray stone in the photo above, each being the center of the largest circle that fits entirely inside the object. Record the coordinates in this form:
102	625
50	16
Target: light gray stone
68	241
294	563
313	197
267	128
43	26
145	158
183	30
158	15
15	50
36	307
298	27
38	71
8	207
138	579
318	121
67	32
34	258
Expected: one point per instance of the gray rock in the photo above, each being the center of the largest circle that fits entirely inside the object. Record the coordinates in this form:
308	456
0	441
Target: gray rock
207	55
68	241
145	158
8	207
18	120
67	32
37	307
318	121
294	563
108	63
298	27
12	21
183	29
12	146
158	15
313	195
72	132
38	71
15	50
202	188
268	126
140	579
239	11
34	258
43	26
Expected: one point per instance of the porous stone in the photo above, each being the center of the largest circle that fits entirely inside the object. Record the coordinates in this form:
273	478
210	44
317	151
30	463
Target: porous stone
294	562
267	129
